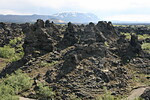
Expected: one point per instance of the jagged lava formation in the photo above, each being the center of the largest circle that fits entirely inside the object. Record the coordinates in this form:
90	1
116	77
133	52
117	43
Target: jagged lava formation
79	59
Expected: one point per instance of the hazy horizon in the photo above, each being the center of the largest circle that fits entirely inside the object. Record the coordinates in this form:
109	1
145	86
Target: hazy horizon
127	10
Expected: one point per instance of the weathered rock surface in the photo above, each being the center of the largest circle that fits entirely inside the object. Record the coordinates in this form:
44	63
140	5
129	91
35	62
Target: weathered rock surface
128	50
41	38
78	59
133	29
9	32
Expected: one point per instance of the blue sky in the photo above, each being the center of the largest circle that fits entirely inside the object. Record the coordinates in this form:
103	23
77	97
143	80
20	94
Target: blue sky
123	10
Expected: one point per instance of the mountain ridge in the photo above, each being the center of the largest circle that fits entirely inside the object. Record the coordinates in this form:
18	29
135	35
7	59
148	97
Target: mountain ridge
77	17
57	18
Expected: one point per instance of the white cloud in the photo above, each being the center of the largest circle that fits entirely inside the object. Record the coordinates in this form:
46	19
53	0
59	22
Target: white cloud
82	4
5	12
107	7
91	4
144	18
48	3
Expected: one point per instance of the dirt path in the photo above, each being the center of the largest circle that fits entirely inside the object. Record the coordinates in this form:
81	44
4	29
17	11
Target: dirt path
136	93
22	98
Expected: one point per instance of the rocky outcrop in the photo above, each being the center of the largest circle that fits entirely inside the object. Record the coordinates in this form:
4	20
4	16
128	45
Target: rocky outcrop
81	56
127	50
40	38
108	30
9	32
133	29
78	59
90	33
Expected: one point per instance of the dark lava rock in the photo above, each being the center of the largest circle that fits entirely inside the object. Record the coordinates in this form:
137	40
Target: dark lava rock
47	23
39	40
9	32
39	24
146	94
77	59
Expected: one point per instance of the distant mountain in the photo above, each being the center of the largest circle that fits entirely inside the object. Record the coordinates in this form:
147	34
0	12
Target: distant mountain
76	17
27	18
57	18
131	22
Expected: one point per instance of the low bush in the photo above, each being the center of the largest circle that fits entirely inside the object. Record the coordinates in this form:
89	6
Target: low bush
19	81
143	37
7	52
16	57
138	98
7	93
45	92
14	41
14	84
146	46
12	54
128	35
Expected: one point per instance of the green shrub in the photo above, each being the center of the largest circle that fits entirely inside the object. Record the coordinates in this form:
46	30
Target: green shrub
7	93
19	81
7	52
13	84
128	35
16	57
146	46
45	91
17	50
143	37
138	98
14	41
9	97
13	54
